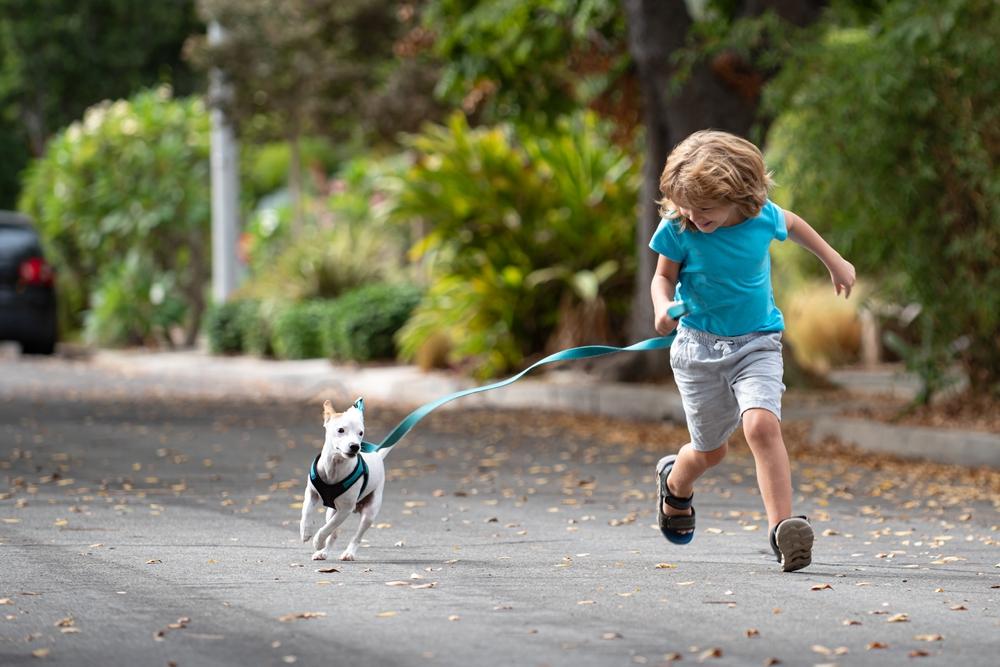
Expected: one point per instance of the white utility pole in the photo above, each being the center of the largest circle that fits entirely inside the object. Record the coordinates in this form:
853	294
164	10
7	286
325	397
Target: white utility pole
225	184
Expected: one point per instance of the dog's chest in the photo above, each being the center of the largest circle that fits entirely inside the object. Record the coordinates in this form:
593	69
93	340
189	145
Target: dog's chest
329	492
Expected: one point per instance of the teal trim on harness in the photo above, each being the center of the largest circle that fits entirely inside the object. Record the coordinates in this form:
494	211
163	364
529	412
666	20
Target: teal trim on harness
585	352
330	492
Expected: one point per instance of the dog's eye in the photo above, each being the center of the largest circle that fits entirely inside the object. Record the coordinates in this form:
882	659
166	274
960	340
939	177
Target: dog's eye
340	430
361	434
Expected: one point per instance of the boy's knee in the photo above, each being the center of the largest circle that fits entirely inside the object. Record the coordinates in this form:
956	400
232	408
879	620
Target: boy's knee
761	426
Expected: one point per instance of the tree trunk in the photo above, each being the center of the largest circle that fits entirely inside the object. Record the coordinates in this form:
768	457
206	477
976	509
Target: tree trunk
721	93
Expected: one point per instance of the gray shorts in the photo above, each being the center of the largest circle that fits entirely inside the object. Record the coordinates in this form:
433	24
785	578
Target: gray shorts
720	378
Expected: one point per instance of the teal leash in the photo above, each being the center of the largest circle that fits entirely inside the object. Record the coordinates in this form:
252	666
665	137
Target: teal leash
585	352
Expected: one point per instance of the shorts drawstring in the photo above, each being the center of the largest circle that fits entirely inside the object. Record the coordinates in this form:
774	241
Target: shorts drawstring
725	346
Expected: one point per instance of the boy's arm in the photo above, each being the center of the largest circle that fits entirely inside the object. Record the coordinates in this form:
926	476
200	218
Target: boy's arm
662	290
841	271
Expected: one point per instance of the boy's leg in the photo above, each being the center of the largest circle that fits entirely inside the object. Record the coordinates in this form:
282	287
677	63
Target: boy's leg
763	433
689	466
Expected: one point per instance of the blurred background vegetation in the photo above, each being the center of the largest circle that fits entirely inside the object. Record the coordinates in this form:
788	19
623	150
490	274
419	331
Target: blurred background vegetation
470	183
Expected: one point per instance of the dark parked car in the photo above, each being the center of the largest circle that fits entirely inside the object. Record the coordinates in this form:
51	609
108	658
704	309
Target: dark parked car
27	287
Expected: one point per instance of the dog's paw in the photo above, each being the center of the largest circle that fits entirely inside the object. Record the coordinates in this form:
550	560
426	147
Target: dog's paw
319	555
347	555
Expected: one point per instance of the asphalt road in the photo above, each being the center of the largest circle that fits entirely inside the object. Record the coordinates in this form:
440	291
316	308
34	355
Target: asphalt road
141	524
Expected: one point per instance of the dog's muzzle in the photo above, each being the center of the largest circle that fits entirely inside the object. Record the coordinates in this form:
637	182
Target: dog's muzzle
354	449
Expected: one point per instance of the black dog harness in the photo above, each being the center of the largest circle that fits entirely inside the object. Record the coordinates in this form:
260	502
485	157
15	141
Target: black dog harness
330	492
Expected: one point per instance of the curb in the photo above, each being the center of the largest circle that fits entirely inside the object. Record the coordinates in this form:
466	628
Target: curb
966	448
565	391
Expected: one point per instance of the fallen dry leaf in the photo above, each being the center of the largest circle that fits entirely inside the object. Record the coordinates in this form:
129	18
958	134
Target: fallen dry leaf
752	632
770	662
876	645
327	570
899	618
41	652
822	587
928	638
710	653
665	566
386	614
918	653
304	615
454	617
611	635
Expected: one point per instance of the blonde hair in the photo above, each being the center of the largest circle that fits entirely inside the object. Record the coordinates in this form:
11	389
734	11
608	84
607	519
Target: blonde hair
711	165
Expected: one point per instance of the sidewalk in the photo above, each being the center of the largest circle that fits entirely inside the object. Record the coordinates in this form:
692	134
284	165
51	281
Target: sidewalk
408	387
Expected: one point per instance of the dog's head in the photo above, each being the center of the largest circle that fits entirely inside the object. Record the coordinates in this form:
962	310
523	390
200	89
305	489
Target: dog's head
344	430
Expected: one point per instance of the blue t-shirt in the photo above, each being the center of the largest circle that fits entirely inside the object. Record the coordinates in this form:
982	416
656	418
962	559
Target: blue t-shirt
726	275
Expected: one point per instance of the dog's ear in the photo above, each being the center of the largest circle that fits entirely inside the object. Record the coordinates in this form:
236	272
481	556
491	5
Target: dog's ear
328	411
360	404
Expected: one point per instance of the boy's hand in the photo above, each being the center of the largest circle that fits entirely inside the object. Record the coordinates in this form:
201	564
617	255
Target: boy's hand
843	276
663	323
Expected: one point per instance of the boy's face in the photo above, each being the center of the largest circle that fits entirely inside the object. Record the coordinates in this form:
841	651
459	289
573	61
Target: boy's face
709	216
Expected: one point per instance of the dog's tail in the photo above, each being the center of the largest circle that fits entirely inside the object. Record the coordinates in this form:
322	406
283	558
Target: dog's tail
384	452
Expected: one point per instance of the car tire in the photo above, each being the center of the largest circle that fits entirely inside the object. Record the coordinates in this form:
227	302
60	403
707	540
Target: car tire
46	346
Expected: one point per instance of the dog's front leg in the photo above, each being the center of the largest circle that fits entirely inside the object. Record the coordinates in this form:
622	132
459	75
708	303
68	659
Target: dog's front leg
369	510
310	501
325	536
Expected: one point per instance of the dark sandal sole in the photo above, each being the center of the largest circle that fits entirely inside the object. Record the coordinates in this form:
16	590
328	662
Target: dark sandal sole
794	538
687	522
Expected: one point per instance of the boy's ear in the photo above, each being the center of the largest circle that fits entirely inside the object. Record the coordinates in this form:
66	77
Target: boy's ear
360	404
328	411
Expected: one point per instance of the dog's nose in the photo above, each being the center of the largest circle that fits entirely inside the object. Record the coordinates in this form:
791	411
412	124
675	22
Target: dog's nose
355	448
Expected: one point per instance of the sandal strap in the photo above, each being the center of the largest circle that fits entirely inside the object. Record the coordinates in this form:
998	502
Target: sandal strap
678	523
675	502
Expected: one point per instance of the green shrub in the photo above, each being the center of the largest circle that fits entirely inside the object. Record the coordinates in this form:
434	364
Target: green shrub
131	179
520	230
296	330
889	140
256	319
361	324
343	242
131	304
223	327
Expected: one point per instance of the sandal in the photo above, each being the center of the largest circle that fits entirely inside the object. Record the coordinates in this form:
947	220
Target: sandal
791	541
671	526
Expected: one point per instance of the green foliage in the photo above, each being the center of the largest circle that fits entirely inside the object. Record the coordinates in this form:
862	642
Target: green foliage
255	324
132	302
517	58
361	324
128	183
889	137
266	166
223	326
513	224
347	241
59	57
296	330
297	66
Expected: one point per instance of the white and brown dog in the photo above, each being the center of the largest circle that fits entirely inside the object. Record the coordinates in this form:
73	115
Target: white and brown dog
344	479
